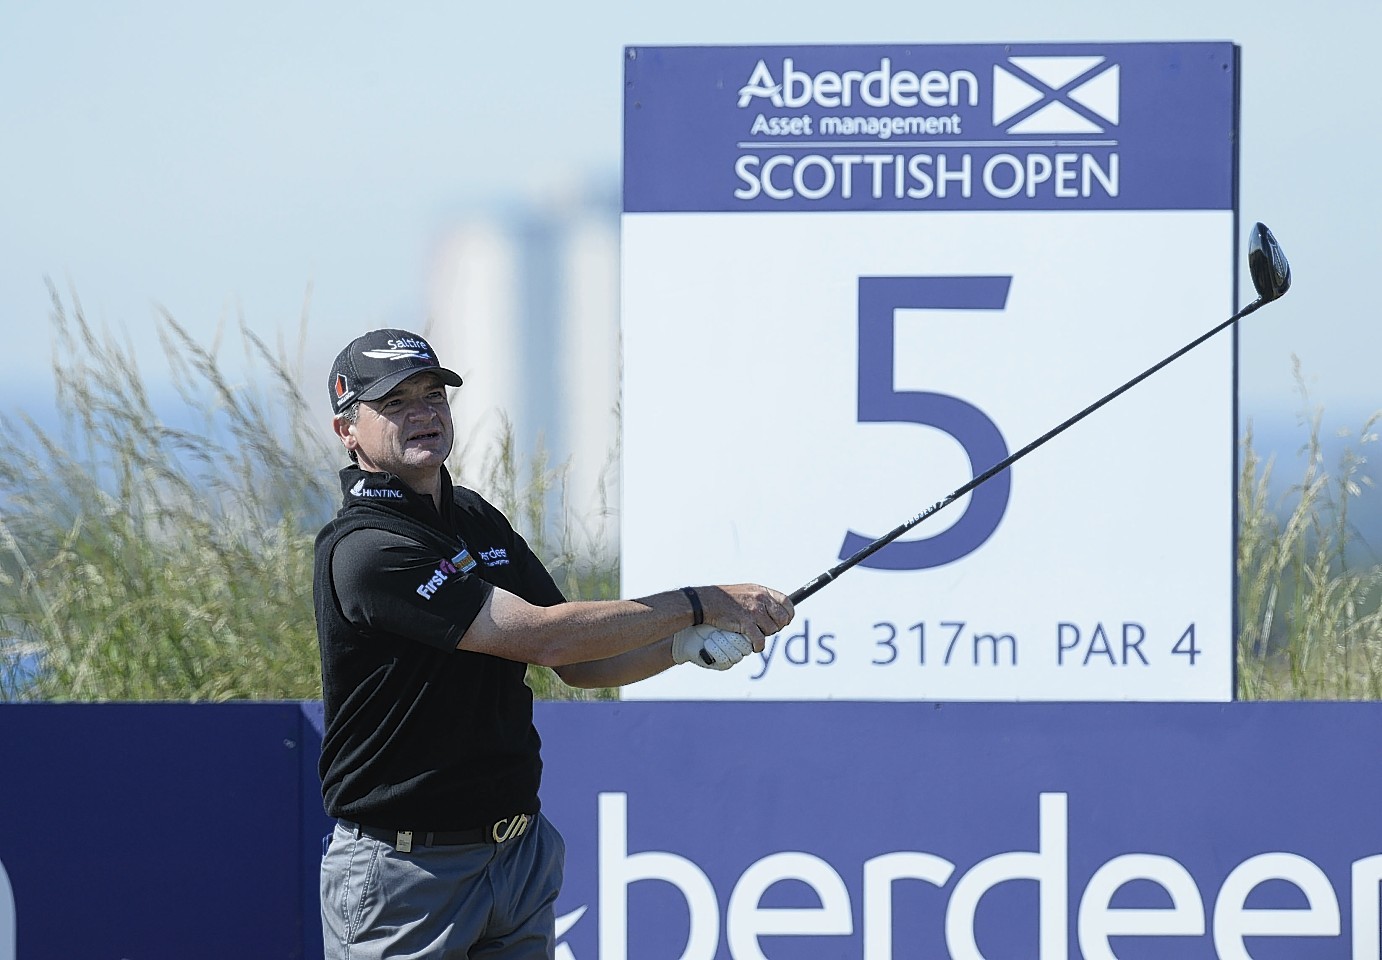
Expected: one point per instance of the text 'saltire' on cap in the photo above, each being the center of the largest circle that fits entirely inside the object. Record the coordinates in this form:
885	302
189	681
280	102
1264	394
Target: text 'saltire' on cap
373	364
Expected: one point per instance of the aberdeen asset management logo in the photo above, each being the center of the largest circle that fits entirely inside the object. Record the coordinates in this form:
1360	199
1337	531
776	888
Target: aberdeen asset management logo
1047	95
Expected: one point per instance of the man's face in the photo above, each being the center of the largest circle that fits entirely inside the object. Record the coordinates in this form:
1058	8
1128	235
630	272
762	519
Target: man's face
406	432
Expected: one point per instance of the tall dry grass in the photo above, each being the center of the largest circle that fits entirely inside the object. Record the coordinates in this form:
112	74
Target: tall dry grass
142	559
1310	626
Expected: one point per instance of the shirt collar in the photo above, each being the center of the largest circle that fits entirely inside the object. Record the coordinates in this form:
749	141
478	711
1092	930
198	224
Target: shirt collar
385	491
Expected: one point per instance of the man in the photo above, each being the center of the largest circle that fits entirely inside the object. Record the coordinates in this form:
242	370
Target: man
429	607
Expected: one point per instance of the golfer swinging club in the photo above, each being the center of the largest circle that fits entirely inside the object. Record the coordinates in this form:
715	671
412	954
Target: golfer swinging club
429	607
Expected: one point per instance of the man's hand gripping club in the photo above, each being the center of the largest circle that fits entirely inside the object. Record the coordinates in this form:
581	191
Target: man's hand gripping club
710	647
737	620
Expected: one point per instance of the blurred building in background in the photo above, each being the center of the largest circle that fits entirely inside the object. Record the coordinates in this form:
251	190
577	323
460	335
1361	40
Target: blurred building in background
524	305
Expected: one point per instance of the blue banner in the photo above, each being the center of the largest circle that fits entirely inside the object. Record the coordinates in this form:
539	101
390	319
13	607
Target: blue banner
744	830
161	831
968	831
1069	126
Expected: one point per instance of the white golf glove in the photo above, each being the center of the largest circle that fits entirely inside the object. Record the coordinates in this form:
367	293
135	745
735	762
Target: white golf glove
725	647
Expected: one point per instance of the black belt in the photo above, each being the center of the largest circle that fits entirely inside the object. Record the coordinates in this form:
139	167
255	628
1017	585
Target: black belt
500	831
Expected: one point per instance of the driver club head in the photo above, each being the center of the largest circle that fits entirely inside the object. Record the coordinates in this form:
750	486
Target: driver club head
1271	274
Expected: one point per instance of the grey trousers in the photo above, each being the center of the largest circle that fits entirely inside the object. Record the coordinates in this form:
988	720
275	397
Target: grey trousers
474	902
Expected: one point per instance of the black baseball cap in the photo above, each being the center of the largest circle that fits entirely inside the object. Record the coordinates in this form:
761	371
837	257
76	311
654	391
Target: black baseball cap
372	365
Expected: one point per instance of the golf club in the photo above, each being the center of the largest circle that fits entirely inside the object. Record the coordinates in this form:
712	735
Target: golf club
1271	276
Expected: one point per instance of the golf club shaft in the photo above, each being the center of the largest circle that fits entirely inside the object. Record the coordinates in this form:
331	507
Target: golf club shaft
804	591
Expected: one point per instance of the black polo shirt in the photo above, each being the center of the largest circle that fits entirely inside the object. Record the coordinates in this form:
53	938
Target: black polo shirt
420	735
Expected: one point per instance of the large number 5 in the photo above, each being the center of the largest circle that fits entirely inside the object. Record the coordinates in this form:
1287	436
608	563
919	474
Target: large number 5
881	402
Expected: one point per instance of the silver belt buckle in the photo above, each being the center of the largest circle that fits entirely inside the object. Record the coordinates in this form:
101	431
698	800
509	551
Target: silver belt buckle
403	843
509	828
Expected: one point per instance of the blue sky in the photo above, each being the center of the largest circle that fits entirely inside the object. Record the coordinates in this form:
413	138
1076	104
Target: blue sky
221	159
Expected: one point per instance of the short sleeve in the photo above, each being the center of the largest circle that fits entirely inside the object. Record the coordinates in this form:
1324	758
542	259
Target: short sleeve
392	584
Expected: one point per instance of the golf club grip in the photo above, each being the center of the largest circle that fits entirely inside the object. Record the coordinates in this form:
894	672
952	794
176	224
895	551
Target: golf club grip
819	582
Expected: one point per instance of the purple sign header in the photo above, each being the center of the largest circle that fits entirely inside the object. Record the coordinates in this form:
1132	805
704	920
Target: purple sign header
1086	126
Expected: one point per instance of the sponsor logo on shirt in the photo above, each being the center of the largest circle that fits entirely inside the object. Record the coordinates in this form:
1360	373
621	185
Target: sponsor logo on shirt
497	557
461	563
378	493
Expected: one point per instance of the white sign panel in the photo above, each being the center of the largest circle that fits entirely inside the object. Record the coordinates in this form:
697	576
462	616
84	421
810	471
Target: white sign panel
839	306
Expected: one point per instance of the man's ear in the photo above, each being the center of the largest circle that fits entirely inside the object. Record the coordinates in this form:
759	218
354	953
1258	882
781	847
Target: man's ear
345	431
